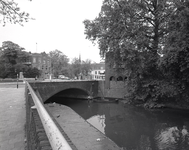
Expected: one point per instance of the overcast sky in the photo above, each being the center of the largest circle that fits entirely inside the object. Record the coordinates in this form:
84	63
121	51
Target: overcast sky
57	25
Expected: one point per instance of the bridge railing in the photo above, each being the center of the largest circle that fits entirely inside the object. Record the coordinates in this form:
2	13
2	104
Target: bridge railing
56	139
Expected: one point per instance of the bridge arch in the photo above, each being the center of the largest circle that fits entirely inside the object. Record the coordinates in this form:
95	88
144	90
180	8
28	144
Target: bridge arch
48	89
72	93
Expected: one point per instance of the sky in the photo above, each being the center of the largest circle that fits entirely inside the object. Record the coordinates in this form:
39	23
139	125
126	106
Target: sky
58	25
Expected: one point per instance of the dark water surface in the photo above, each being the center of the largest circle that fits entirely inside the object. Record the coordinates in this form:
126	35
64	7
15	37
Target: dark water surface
135	128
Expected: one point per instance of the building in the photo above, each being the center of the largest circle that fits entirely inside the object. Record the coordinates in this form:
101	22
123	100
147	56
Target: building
98	71
115	78
42	62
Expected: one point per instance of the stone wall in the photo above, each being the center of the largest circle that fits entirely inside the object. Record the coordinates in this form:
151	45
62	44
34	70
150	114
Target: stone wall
115	78
116	90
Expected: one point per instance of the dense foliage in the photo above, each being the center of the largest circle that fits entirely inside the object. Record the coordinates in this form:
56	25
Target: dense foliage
59	63
150	38
80	68
12	58
175	63
61	66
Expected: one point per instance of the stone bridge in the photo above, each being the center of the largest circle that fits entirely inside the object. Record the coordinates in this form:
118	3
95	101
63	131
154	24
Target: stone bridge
72	89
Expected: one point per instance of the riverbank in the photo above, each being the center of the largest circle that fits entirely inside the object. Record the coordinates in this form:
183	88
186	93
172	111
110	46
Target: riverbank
82	134
154	105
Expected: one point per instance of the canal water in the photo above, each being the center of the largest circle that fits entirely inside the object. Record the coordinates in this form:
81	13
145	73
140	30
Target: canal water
134	128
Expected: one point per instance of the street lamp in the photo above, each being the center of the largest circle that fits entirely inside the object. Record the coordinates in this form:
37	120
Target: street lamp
16	77
17	80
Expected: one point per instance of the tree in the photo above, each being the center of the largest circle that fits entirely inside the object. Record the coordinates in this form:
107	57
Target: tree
76	67
4	69
175	61
31	73
10	12
135	31
124	23
8	58
59	63
12	53
86	67
11	59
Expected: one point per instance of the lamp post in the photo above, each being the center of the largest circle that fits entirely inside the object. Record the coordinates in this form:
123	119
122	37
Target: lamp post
17	80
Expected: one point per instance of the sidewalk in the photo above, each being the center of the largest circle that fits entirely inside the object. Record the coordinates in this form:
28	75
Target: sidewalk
12	117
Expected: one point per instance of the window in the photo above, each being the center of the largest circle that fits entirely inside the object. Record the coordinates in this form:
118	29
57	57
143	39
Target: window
34	60
102	72
39	60
112	78
120	78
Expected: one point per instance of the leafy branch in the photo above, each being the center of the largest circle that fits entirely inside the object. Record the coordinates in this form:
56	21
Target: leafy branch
10	12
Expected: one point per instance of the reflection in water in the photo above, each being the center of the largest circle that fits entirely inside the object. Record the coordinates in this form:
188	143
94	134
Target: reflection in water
98	121
144	143
171	137
167	138
135	128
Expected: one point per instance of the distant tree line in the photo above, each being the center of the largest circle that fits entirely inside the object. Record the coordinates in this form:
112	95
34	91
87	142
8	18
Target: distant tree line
151	39
61	65
13	60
